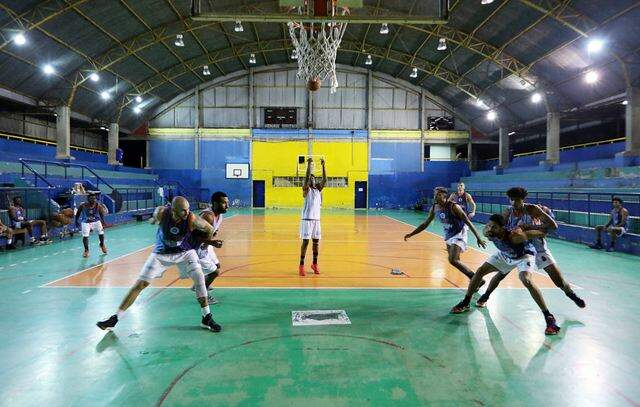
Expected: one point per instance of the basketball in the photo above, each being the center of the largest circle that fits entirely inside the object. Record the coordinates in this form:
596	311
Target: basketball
314	84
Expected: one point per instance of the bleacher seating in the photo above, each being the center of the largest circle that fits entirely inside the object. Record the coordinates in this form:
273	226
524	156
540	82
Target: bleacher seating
579	193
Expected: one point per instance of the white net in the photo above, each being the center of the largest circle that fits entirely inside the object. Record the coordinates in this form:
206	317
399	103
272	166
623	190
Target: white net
316	44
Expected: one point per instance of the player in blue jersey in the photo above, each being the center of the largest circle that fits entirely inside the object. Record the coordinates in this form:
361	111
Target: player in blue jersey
465	200
532	217
617	225
175	222
455	224
515	250
18	218
90	216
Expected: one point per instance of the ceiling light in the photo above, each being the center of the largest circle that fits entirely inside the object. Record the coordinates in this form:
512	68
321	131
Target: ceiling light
138	99
625	102
137	110
536	98
480	103
102	128
238	27
105	95
414	73
511	133
442	44
49	69
369	60
19	39
595	45
384	28
179	42
252	59
491	116
484	2
206	71
294	54
94	77
591	77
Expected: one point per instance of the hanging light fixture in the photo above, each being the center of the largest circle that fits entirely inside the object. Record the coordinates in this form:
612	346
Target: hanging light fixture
442	44
105	95
179	42
384	29
206	71
138	99
369	60
536	98
19	39
414	73
485	2
238	27
137	110
252	59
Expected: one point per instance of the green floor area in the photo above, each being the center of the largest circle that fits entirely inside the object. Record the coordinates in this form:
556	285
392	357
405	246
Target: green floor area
402	348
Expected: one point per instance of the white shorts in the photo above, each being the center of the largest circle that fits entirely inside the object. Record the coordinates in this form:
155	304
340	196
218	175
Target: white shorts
505	264
209	261
310	229
157	264
87	227
544	259
459	240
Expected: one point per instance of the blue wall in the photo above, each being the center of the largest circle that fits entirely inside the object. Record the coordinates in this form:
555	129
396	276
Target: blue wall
215	154
394	157
567	156
403	190
12	150
175	154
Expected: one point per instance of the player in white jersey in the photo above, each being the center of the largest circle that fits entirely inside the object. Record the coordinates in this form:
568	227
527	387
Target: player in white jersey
310	220
203	247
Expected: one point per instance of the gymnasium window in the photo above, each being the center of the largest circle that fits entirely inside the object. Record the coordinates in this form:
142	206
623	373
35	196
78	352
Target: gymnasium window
332	182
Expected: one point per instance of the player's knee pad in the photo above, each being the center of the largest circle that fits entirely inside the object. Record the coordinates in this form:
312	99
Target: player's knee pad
198	281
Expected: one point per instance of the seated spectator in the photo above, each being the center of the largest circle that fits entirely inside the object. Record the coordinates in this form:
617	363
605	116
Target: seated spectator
63	219
78	189
7	232
617	226
18	216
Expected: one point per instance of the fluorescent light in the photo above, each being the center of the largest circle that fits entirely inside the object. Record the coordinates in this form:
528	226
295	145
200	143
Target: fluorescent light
369	60
138	99
206	71
19	39
484	2
591	77
384	28
105	95
491	116
625	102
442	44
511	133
137	110
536	98
252	59
238	27
94	77
595	45
102	128
294	54
179	42
49	69
414	73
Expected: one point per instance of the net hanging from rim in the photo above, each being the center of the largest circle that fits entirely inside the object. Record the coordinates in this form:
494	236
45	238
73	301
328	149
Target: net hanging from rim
316	45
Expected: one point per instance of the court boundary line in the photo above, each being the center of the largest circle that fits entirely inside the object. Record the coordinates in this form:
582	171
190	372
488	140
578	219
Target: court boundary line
536	271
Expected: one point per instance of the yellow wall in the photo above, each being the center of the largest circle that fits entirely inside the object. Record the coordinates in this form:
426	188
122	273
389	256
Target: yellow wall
343	159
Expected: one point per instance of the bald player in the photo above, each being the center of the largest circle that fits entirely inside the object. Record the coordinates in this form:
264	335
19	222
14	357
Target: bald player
175	222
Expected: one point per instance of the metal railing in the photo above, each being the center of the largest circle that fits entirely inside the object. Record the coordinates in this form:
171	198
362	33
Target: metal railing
571	205
25	164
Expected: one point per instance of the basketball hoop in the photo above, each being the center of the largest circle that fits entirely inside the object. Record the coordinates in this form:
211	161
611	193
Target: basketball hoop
316	44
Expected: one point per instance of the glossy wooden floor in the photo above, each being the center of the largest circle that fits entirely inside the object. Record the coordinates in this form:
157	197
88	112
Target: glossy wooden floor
356	251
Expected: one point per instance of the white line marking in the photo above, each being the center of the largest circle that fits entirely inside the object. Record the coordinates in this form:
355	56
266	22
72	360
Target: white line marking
88	268
26	291
12	265
594	293
294	288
